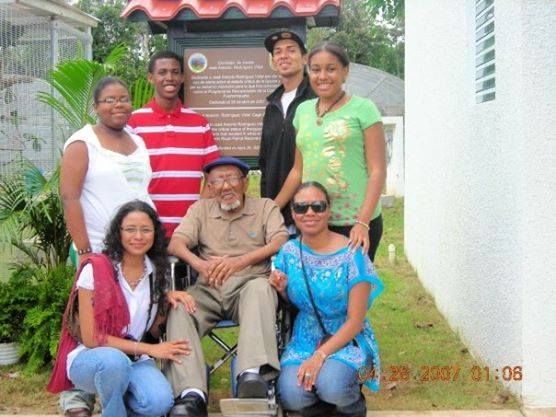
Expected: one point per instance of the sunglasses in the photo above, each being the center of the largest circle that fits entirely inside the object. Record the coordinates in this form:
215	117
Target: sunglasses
316	206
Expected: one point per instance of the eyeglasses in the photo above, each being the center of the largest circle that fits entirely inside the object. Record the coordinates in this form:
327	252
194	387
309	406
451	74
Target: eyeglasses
219	182
317	207
114	100
134	230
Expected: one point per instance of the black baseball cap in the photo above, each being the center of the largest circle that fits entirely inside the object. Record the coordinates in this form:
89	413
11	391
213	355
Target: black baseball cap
227	160
280	34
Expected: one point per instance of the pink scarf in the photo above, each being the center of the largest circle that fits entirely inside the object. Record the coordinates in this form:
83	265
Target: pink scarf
111	316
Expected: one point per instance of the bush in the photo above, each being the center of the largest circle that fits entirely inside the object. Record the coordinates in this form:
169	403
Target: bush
16	298
42	323
31	215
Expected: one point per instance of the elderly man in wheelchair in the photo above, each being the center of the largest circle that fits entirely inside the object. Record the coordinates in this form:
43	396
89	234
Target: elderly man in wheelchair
235	237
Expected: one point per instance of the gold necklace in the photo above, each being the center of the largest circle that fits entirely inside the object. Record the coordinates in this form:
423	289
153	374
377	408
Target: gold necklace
320	116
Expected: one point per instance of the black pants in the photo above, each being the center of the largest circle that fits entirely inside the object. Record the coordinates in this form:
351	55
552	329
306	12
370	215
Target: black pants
375	233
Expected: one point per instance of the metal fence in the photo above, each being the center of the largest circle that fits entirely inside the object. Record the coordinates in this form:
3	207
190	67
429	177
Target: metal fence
30	45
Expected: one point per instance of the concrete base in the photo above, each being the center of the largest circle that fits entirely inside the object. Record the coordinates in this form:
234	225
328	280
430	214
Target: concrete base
447	413
428	413
387	200
539	412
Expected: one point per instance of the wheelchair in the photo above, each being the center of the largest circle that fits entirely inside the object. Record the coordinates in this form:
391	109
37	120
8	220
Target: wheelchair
239	407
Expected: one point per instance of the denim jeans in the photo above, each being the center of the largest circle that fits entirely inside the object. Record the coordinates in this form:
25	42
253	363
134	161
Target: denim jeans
336	384
125	388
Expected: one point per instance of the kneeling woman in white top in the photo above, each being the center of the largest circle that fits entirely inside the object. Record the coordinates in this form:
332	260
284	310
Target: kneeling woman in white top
114	303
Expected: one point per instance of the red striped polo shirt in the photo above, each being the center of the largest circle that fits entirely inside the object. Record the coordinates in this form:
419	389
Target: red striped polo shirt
180	144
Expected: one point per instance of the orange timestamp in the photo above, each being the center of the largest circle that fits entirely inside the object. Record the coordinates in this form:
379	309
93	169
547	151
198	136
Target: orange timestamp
443	373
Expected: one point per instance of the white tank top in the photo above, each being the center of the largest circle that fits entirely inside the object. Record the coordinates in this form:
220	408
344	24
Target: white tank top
112	179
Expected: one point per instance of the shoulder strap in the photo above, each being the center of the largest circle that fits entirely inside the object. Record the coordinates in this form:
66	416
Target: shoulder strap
151	303
319	319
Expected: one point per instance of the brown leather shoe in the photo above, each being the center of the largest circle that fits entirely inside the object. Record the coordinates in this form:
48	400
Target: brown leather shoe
78	412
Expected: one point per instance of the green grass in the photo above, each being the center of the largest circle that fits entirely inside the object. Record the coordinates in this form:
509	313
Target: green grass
410	332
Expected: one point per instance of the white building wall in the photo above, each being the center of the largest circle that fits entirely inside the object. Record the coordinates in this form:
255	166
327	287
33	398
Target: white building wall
393	128
480	191
538	231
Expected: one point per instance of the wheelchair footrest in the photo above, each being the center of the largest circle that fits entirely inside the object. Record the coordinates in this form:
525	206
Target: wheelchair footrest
239	407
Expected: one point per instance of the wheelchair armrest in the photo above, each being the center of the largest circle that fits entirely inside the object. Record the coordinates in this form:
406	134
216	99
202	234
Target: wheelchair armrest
182	276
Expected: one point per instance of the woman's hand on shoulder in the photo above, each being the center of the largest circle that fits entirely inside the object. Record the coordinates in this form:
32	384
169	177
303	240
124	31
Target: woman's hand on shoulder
359	236
279	281
174	298
170	350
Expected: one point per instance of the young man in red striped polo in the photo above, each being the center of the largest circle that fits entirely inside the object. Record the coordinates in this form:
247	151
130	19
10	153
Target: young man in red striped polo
179	141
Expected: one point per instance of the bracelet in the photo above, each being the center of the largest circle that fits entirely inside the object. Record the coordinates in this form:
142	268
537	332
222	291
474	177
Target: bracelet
135	346
323	355
84	251
362	224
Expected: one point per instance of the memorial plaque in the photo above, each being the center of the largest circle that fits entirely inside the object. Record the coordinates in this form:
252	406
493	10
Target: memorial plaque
229	87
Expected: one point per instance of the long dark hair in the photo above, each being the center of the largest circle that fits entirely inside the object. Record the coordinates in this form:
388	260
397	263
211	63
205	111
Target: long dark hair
114	249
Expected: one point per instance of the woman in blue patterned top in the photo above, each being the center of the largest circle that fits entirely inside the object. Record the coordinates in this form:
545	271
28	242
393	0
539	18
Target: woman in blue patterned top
325	378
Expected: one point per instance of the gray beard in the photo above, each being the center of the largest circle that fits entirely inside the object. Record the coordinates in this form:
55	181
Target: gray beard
231	206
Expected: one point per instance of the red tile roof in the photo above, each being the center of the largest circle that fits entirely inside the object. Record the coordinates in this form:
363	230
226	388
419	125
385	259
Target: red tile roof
213	9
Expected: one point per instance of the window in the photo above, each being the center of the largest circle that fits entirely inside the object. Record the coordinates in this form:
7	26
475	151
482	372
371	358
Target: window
485	67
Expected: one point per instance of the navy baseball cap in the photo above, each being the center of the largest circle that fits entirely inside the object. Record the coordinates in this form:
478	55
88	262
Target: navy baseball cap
227	160
280	34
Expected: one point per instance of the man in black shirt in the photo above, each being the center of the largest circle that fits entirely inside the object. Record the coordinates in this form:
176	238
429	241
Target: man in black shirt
276	155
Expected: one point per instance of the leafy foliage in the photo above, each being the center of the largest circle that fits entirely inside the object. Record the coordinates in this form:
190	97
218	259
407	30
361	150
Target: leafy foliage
31	216
42	323
141	92
372	31
32	304
112	30
74	82
16	298
388	9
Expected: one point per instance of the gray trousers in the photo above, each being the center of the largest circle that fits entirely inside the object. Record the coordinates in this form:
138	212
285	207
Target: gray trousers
75	398
249	301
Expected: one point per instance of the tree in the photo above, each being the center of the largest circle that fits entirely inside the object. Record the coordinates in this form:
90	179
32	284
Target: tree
372	32
389	9
113	30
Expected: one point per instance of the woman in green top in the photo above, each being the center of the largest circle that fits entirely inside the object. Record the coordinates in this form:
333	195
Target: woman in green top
340	143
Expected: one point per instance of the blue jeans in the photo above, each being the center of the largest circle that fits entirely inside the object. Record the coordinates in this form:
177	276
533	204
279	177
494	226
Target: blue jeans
125	388
336	384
